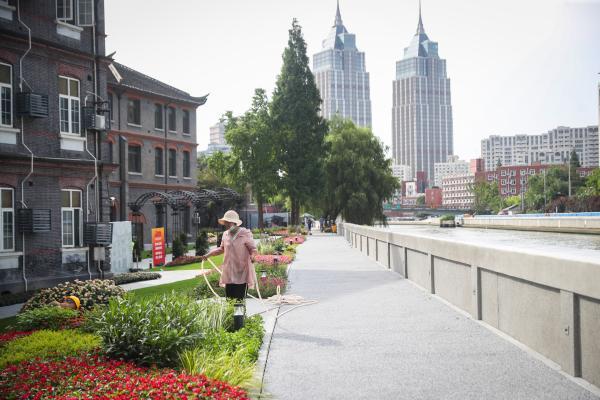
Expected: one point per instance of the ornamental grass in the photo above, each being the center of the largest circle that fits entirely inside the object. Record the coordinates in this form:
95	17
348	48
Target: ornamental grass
95	377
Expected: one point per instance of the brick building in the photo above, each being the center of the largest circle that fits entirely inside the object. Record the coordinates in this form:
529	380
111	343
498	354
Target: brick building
433	197
513	180
53	165
153	141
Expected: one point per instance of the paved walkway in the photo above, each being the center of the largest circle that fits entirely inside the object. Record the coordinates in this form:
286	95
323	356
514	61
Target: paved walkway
374	335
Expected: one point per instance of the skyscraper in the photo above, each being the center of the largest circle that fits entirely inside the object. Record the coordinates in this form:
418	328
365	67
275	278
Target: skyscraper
341	76
422	112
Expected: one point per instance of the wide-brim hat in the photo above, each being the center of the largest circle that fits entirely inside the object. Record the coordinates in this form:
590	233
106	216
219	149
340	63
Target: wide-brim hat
231	216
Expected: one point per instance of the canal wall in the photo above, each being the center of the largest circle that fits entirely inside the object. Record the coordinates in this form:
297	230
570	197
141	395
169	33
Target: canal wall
565	224
549	303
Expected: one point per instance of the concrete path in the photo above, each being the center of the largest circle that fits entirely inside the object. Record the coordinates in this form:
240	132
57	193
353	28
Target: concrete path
374	335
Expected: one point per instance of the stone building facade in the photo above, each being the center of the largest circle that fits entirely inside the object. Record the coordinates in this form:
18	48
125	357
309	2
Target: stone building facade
153	146
53	166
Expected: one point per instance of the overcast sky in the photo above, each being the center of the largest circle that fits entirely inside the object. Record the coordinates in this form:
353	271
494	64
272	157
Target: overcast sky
516	66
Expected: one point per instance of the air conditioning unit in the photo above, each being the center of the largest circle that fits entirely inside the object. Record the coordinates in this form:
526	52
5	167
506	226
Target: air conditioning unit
34	220
33	105
92	120
97	234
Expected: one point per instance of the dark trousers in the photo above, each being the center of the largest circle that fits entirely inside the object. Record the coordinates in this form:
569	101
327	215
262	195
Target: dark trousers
236	290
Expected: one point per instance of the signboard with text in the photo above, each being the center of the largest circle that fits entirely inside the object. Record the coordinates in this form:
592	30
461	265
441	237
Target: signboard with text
158	246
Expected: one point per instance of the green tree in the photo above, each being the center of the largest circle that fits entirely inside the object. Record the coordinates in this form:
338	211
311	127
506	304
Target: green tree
487	197
358	175
207	178
254	150
421	201
592	185
300	129
224	168
574	160
512	201
545	187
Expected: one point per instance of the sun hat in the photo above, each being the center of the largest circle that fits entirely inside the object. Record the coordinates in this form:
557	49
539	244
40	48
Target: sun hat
75	300
231	216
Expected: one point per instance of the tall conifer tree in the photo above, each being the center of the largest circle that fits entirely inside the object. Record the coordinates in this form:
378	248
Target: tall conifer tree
300	129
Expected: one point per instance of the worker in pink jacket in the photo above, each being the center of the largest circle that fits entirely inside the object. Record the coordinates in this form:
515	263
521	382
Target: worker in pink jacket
239	248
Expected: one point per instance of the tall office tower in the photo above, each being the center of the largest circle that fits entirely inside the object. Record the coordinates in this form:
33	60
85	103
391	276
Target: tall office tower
341	76
422	112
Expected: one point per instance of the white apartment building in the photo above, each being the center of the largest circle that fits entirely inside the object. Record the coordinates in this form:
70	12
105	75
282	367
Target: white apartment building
402	172
452	167
553	147
217	134
457	192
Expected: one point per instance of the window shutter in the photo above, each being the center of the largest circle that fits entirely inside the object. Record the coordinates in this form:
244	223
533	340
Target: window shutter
85	12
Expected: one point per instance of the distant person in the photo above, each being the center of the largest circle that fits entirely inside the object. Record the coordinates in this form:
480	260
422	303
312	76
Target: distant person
322	224
239	248
309	227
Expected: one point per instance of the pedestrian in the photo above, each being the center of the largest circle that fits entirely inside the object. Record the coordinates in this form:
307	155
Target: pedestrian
322	223
309	223
238	246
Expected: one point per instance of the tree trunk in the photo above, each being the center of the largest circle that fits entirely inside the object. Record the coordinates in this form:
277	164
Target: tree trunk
295	212
259	204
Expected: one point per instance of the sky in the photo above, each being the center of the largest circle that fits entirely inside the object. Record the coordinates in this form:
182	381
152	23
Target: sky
515	66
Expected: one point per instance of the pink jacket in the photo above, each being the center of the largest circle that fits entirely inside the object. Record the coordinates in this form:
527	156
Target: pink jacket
237	263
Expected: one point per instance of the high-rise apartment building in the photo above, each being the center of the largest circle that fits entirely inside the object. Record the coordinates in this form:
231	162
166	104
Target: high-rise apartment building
341	76
217	134
553	147
422	131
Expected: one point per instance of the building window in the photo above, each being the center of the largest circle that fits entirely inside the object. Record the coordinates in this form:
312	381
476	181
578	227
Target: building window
133	112
159	161
85	12
173	163
186	164
72	221
172	119
7	220
186	122
5	95
110	106
158	116
134	157
68	95
64	10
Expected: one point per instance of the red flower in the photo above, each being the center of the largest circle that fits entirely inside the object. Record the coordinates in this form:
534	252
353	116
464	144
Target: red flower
96	377
6	337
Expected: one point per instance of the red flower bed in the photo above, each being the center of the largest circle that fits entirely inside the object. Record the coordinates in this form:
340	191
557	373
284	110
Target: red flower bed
271	259
282	232
294	239
94	377
183	260
6	337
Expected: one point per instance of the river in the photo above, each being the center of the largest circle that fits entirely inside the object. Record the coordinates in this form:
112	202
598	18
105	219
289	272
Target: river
566	245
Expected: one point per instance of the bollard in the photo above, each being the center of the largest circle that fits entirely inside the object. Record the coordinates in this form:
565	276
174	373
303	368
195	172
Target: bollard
239	312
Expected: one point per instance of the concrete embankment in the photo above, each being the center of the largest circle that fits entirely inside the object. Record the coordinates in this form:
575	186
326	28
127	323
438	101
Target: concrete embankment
549	302
563	224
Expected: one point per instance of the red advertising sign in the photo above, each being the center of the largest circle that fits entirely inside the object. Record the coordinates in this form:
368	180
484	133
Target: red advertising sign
158	246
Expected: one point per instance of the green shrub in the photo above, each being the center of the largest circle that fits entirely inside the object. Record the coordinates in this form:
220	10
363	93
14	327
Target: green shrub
122	279
47	344
279	270
154	330
178	248
248	339
90	293
234	368
48	317
202	244
447	217
183	239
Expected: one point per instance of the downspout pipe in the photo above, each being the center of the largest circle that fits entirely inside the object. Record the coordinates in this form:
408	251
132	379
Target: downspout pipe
21	80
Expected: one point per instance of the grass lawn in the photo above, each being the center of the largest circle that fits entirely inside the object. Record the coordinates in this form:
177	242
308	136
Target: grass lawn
5	322
185	286
218	260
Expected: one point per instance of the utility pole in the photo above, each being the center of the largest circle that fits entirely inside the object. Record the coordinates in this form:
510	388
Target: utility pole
569	166
544	173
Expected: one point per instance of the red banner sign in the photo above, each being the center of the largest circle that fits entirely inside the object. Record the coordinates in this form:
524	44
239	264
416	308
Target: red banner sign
158	246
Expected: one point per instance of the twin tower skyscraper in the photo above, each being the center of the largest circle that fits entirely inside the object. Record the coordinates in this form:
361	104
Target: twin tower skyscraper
422	112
